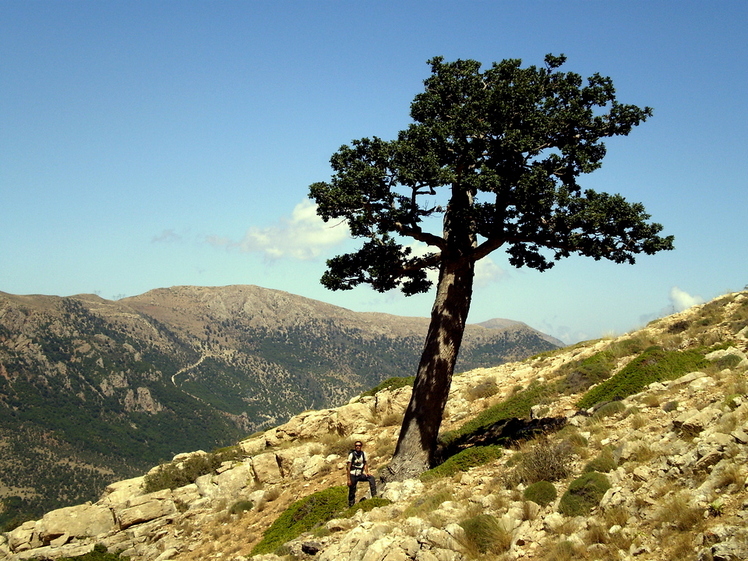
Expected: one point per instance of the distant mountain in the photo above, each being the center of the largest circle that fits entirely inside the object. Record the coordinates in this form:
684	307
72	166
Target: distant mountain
93	390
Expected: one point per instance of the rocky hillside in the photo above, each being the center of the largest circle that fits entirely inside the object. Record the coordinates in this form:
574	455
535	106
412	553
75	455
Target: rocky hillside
106	389
627	448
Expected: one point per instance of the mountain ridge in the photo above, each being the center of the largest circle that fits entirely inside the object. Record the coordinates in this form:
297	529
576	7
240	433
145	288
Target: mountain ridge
111	387
655	468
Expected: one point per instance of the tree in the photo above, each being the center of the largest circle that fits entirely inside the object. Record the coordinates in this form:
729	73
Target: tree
496	154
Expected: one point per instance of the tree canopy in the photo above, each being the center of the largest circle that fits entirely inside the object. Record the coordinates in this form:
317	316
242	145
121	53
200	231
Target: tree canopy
496	154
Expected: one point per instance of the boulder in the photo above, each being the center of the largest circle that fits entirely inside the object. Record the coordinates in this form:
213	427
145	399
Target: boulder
253	446
233	480
145	508
266	468
122	491
24	537
81	521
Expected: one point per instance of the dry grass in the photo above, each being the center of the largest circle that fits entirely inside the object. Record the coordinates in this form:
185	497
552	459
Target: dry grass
677	514
542	460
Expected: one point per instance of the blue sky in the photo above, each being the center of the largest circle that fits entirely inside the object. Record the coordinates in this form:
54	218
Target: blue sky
153	144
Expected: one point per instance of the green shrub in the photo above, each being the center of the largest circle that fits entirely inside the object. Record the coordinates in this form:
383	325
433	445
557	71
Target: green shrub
541	492
241	506
485	534
302	516
653	365
391	384
174	475
603	463
584	494
463	461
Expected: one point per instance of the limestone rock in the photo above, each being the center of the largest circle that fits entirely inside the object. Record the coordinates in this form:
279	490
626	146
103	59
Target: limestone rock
266	468
80	521
145	508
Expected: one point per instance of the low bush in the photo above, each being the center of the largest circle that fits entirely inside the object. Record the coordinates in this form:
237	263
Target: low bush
179	474
485	534
391	384
543	460
302	516
582	374
241	506
463	461
583	494
541	492
603	463
653	365
426	504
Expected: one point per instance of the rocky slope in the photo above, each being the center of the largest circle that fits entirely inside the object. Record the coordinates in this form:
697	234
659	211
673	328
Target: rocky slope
106	389
669	442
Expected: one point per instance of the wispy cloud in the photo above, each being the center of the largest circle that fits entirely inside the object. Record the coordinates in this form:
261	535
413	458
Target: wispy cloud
303	235
167	236
682	300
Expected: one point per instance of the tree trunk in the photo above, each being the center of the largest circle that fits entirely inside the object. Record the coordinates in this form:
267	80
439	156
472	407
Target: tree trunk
418	436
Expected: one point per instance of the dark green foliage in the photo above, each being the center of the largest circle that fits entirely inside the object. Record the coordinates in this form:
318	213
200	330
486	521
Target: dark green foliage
541	492
391	384
584	494
653	365
603	463
241	506
302	516
463	461
484	534
179	474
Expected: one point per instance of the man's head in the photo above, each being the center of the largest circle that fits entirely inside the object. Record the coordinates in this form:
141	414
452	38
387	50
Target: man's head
358	444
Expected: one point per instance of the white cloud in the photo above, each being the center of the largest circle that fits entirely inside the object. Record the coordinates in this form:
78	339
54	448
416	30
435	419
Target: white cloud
681	300
487	272
302	236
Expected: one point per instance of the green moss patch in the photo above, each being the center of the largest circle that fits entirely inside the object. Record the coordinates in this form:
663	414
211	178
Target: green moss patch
463	461
653	365
302	516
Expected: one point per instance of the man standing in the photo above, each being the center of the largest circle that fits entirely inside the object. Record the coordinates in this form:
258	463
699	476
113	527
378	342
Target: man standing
358	470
